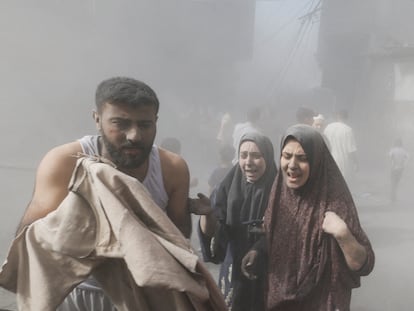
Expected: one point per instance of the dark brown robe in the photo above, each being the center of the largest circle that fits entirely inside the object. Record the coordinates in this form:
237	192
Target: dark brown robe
307	269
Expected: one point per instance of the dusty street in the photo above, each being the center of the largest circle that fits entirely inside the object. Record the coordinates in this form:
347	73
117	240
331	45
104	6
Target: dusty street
390	228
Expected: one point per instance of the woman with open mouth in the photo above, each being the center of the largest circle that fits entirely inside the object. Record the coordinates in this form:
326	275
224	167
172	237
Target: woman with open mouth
317	250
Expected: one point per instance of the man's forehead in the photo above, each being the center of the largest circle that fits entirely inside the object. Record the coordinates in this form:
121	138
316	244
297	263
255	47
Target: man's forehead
128	110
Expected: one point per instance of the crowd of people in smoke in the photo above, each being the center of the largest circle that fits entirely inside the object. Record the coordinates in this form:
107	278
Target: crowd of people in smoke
282	225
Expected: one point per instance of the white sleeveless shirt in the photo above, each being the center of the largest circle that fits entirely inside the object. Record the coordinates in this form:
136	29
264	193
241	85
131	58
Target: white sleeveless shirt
153	181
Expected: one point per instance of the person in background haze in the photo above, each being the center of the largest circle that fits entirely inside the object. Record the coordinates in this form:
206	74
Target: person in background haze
226	153
399	157
342	144
319	122
250	126
304	115
174	145
224	135
171	144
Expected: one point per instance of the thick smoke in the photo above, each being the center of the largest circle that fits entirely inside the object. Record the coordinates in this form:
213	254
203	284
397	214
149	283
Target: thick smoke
205	58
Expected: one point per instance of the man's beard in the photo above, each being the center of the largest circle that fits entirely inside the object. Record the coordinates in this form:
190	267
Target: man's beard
124	160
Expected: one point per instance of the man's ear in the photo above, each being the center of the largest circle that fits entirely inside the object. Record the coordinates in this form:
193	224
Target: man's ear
97	118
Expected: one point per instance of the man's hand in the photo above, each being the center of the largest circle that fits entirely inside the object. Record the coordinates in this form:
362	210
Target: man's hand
200	205
248	264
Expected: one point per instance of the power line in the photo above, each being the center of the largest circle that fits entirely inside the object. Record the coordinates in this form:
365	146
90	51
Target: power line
312	13
304	32
297	15
281	77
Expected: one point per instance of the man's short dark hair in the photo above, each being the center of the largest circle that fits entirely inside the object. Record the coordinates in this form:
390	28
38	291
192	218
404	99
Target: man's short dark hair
304	115
124	90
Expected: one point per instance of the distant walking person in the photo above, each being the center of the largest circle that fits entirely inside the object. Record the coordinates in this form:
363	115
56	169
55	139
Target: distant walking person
250	126
304	115
342	144
399	157
319	122
226	153
173	144
224	135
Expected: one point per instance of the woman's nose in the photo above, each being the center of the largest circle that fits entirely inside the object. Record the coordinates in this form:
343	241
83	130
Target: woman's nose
292	163
249	160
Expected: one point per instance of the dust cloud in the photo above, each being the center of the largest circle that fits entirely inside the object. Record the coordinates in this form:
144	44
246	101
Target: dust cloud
205	58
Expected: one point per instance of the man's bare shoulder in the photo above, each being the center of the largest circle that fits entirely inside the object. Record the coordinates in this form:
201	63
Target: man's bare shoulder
171	161
61	158
52	180
174	167
71	148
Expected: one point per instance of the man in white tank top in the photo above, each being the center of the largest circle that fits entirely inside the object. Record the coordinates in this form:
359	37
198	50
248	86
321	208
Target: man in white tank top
153	180
126	116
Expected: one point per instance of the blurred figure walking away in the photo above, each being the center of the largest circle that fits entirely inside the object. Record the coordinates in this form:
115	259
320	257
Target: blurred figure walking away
174	145
304	115
226	153
319	122
171	144
398	156
343	145
250	126
224	135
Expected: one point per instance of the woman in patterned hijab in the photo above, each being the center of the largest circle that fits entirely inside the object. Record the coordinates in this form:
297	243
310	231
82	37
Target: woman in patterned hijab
317	250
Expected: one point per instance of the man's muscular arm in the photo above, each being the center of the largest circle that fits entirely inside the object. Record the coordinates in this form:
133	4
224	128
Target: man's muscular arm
51	184
177	179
